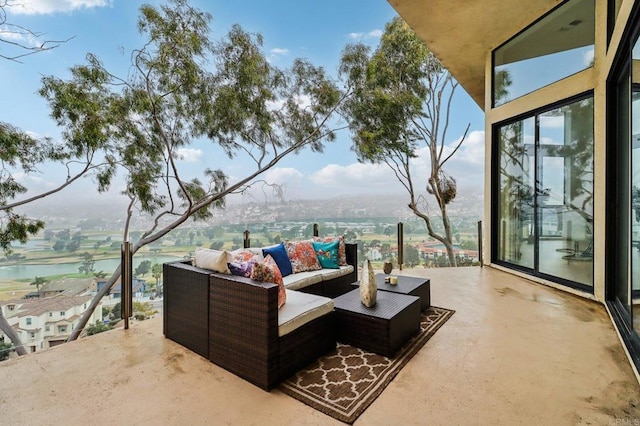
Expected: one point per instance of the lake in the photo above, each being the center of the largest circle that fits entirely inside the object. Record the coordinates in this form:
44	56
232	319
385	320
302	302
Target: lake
12	272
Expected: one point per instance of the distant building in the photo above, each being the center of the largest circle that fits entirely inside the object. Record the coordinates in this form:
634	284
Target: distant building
374	254
139	287
46	322
68	287
432	250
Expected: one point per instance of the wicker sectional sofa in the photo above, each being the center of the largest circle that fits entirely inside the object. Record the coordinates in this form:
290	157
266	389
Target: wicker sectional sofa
234	321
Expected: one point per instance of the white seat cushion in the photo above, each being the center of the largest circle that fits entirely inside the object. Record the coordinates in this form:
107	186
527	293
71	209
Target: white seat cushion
300	309
328	274
302	279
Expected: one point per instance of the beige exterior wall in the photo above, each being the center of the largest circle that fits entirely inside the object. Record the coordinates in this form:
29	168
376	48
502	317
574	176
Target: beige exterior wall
590	79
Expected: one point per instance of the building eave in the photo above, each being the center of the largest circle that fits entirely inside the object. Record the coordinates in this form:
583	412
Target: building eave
461	33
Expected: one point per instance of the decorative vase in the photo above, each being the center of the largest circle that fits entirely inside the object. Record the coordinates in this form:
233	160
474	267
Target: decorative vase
387	267
368	288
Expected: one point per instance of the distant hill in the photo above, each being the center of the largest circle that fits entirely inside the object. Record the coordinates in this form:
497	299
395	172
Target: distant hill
61	212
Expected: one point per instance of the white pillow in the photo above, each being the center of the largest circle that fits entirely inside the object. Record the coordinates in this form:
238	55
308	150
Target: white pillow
215	260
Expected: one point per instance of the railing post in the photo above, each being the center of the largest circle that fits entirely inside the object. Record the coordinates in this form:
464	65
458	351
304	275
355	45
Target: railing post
126	283
247	240
480	256
400	245
315	230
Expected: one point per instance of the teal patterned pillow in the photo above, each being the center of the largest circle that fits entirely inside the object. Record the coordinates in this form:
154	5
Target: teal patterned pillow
327	254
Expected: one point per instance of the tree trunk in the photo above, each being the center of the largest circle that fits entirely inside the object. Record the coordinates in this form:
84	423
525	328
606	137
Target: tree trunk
448	239
12	335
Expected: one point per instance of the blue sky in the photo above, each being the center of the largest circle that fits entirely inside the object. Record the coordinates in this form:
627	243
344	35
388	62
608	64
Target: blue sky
315	30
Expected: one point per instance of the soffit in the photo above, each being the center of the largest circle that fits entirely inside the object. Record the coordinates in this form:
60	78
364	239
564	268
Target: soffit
461	32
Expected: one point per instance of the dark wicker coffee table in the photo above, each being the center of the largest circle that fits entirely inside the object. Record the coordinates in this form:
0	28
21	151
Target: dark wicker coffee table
383	328
413	286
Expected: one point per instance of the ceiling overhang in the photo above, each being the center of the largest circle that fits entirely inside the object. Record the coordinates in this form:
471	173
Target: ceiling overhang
461	32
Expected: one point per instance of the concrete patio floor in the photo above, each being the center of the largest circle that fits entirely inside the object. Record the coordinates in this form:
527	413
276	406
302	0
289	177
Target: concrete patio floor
515	352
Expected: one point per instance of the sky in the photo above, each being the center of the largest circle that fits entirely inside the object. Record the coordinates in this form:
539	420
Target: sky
315	30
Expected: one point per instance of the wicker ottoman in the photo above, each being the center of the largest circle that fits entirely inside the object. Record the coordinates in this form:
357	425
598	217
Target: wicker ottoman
383	328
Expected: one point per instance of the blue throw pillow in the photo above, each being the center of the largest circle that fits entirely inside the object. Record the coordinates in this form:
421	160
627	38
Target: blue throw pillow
327	254
279	254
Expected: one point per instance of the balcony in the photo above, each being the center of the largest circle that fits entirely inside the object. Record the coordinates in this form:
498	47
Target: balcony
515	352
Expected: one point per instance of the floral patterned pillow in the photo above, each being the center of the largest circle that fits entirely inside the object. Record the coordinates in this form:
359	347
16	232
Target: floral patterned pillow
268	271
243	255
243	268
302	256
342	251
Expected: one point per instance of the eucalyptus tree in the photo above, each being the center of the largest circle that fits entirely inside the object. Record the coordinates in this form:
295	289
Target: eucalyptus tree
182	89
401	102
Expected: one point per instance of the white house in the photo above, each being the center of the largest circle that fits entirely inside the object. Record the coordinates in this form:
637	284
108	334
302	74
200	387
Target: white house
47	322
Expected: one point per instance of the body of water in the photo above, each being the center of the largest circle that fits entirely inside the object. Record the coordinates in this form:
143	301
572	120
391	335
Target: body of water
12	272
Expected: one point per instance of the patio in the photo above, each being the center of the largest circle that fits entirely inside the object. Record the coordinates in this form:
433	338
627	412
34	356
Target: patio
515	352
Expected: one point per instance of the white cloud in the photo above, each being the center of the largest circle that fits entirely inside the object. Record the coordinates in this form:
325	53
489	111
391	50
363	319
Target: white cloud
289	179
375	34
552	121
189	155
303	102
26	179
466	166
276	53
279	51
472	149
282	175
44	7
588	57
354	178
275	105
18	36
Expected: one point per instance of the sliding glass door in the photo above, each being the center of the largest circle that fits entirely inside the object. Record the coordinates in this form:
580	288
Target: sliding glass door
544	213
623	196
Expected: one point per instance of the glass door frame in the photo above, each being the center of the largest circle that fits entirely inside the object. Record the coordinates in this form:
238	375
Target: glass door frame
622	313
495	179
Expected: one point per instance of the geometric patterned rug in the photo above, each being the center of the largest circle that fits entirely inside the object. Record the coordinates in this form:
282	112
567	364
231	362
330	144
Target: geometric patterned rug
346	381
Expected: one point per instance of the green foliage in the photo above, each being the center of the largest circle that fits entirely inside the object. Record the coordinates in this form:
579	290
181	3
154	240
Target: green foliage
143	310
143	267
156	272
105	311
401	102
98	327
411	256
72	245
87	264
116	311
216	245
181	87
39	281
390	92
5	350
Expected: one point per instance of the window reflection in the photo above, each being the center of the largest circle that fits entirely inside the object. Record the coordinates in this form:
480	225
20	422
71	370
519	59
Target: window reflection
545	217
557	46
